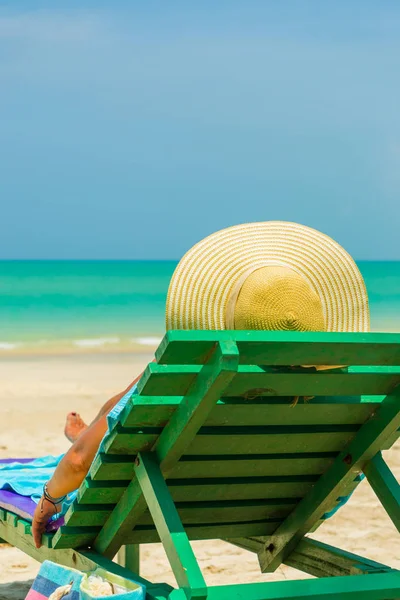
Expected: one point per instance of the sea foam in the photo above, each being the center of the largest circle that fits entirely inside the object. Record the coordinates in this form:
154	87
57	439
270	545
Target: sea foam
95	342
147	341
8	345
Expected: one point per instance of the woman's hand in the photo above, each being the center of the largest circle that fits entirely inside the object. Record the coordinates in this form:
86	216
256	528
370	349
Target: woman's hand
44	511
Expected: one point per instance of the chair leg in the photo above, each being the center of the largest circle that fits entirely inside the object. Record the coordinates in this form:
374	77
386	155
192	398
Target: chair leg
129	557
169	527
385	486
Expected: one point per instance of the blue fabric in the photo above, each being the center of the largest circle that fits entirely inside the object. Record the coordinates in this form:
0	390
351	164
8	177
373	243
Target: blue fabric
342	500
27	479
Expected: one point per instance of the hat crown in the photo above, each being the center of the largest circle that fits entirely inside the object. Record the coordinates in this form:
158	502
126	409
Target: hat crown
277	298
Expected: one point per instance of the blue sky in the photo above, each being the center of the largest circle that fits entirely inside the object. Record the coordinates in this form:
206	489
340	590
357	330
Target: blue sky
134	129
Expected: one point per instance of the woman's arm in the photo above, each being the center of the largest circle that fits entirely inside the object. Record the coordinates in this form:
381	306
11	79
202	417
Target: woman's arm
73	467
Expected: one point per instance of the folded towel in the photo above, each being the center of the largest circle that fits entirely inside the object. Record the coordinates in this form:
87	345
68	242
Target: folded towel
53	580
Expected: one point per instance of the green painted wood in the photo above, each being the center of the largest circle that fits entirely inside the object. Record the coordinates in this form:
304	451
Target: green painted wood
121	468
259	465
281	347
195	409
81	537
129	557
225	511
195	490
205	391
169	527
107	467
132	557
201	490
125	441
365	445
257	544
74	537
230	511
321	410
392	439
136	440
215	441
385	486
150	411
98	492
321	560
246	488
252	381
11	519
382	586
88	515
148	535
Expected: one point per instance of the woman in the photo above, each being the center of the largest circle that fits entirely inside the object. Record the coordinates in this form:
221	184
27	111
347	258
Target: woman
265	276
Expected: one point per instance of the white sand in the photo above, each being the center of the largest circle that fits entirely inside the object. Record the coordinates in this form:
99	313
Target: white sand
36	394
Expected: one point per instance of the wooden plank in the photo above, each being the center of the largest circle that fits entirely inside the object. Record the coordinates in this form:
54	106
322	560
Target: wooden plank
169	527
246	488
88	515
213	441
251	381
148	535
230	511
227	511
74	537
385	486
82	537
231	412
282	348
198	490
183	426
321	560
365	445
150	411
381	586
137	439
98	492
259	465
107	467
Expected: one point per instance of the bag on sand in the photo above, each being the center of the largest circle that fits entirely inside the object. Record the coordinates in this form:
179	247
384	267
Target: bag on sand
55	582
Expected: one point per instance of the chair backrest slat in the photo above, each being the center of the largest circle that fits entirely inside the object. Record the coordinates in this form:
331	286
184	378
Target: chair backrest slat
262	410
284	348
253	381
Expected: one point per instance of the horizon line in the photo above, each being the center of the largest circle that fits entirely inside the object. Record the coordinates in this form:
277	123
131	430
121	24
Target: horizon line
148	259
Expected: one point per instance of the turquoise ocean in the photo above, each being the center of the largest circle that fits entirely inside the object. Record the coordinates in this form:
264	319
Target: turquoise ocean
51	307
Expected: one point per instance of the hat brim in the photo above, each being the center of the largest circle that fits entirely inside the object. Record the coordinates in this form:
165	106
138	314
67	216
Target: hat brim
205	277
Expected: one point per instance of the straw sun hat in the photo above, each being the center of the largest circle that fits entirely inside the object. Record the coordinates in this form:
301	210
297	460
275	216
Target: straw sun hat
273	276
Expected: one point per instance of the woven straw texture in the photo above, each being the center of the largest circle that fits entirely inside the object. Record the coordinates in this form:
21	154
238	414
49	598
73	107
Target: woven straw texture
275	298
209	274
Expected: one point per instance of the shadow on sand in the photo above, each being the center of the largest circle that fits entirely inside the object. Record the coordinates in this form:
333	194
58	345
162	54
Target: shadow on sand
15	591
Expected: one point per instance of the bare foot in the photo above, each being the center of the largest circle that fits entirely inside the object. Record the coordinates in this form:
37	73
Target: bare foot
74	426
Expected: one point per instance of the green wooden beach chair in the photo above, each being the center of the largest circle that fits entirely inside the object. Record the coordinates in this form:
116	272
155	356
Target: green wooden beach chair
211	447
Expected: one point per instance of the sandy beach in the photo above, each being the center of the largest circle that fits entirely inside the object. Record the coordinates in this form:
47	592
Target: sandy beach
35	395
